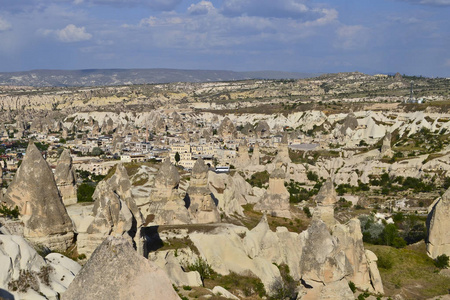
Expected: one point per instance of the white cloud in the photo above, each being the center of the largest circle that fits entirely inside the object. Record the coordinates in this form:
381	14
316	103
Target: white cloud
4	25
203	25
70	34
201	8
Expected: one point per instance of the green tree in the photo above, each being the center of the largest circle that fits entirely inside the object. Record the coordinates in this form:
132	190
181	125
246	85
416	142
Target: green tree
177	157
96	151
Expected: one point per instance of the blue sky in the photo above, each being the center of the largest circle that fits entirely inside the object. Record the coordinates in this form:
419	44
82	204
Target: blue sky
406	36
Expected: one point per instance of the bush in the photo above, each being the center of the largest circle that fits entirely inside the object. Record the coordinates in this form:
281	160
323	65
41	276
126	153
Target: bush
352	286
203	268
259	179
10	213
312	176
307	211
85	192
27	280
385	261
391	237
442	261
284	287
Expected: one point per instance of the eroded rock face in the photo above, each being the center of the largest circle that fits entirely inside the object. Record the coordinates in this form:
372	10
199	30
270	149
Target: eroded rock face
227	129
121	185
242	159
283	151
386	150
326	199
116	271
166	205
114	213
438	241
22	270
34	191
256	155
65	178
201	205
276	199
350	124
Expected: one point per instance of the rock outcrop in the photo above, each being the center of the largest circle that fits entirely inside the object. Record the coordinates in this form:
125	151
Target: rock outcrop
227	129
201	205
438	241
116	271
231	192
283	151
114	213
66	179
166	205
329	261
242	159
24	274
386	150
167	261
325	200
256	155
275	201
34	191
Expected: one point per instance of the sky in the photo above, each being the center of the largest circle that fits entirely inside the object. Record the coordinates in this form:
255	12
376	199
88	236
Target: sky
371	36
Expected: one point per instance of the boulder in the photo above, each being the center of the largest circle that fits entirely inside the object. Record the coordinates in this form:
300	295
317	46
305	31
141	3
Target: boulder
116	271
34	191
220	291
66	178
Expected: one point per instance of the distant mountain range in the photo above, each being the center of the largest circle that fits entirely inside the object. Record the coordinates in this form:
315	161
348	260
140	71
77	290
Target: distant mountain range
104	77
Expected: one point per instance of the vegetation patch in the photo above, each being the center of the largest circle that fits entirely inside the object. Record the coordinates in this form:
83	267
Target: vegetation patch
409	271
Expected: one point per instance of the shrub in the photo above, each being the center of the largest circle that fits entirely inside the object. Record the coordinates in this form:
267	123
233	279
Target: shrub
284	287
442	261
312	176
385	261
10	213
352	286
85	192
44	274
307	211
187	288
27	280
203	268
259	179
